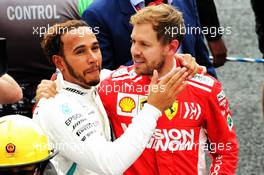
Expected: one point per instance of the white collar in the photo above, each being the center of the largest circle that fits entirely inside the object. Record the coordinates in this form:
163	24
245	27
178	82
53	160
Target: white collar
63	84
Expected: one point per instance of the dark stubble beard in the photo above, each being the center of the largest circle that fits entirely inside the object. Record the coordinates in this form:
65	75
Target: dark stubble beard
158	66
80	78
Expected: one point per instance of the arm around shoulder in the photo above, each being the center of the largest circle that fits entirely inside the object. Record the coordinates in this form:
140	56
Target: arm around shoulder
69	126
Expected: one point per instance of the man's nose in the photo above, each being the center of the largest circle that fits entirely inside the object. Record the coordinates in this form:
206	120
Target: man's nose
135	49
92	57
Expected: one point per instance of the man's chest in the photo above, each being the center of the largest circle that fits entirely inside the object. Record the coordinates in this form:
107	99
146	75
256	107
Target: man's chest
185	110
179	127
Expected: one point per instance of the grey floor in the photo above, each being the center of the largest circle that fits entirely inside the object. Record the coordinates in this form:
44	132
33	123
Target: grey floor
242	83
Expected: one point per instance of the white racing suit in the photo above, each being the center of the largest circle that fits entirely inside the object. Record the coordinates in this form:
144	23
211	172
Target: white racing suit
76	123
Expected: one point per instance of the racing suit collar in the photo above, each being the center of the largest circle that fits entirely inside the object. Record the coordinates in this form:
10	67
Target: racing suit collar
74	88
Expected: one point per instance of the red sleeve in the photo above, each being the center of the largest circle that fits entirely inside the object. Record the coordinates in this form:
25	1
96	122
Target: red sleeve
222	137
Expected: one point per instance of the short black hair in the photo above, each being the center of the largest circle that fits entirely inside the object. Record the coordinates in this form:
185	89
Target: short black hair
52	44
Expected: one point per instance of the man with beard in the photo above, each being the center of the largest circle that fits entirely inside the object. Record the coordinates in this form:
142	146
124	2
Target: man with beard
112	20
75	120
199	112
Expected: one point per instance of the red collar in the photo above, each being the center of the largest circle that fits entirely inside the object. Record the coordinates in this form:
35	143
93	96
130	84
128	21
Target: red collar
156	2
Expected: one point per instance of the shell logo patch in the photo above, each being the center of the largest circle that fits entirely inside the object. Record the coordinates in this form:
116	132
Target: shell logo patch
127	104
172	111
10	148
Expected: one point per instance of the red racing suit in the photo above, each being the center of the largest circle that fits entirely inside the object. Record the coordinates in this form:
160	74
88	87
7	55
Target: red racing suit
198	120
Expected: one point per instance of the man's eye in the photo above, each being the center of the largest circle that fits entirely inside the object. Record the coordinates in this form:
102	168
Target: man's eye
95	48
144	44
78	52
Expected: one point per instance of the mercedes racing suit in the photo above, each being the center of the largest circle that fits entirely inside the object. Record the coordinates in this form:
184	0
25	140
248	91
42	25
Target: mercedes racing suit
77	125
200	113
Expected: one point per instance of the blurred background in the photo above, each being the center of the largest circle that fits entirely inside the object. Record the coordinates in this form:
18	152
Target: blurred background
243	82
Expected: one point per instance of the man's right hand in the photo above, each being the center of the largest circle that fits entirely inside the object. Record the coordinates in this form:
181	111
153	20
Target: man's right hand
46	89
164	93
219	52
189	62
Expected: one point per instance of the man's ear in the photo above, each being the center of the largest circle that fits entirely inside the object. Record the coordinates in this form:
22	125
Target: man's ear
173	46
58	62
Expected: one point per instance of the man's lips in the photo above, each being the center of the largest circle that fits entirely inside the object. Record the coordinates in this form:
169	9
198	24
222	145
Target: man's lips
92	70
138	62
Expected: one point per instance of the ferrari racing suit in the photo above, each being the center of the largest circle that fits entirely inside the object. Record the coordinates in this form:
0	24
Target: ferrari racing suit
198	120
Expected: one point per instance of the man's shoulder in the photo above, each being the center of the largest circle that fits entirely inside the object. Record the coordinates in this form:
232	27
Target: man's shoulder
122	73
204	83
54	102
51	108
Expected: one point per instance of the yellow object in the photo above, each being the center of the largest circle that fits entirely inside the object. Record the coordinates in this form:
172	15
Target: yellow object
172	111
127	104
22	142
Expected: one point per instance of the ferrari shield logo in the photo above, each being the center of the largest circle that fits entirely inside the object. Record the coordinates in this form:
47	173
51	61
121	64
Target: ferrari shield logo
172	111
142	101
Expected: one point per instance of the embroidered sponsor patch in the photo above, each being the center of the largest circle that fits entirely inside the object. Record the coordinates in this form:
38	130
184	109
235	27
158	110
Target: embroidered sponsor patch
87	128
221	96
132	73
229	122
203	80
76	91
142	101
174	139
120	72
127	104
77	116
172	111
192	111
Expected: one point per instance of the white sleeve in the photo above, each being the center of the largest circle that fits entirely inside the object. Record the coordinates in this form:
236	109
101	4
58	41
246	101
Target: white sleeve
105	73
96	153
